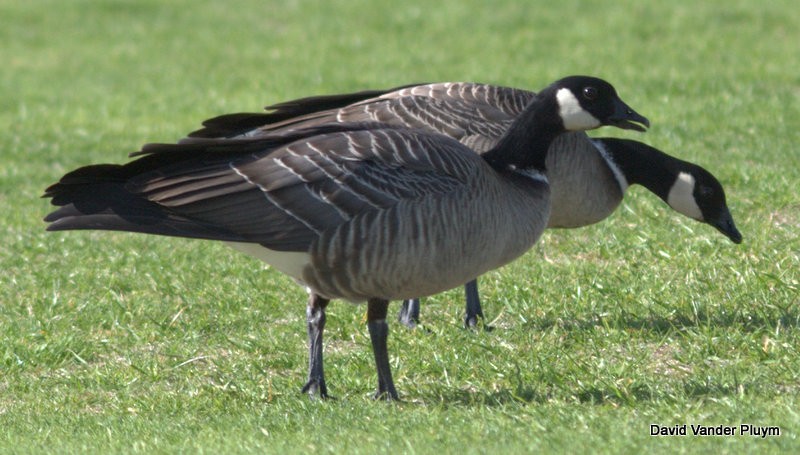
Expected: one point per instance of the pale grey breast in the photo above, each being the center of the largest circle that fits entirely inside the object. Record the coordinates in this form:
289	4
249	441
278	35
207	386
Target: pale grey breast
583	186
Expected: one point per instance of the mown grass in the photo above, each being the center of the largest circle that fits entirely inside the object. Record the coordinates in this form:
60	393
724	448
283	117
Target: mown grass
125	343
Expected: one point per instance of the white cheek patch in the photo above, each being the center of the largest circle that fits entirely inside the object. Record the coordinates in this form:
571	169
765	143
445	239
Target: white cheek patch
681	197
574	116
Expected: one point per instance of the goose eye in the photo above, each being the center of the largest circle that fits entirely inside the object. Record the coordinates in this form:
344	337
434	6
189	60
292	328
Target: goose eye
590	93
705	191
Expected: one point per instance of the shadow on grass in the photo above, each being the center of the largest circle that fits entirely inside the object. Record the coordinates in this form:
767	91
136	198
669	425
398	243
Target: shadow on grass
592	395
786	318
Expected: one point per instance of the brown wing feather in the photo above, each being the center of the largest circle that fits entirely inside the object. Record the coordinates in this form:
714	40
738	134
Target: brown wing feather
476	114
282	197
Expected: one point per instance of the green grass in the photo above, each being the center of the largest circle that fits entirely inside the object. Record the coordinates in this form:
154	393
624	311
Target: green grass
136	344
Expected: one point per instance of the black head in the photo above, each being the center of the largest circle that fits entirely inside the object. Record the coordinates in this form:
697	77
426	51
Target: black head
698	194
586	102
710	198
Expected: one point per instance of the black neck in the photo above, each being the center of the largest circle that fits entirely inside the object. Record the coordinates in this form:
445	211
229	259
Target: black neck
525	143
645	165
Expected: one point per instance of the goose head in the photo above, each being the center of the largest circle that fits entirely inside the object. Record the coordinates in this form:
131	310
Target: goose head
699	195
574	103
586	102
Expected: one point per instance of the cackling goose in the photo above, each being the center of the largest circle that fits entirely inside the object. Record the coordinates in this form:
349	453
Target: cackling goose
357	211
588	177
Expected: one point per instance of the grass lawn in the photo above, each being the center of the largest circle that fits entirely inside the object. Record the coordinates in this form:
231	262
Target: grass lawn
113	342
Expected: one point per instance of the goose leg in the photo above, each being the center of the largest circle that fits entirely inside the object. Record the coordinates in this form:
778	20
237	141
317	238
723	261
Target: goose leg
409	313
473	304
315	321
378	333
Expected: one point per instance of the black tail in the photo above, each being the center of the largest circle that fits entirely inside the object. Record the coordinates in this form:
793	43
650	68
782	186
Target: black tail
99	196
95	197
104	196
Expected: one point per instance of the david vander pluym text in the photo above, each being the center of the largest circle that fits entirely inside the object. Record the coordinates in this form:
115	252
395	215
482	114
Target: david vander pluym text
744	429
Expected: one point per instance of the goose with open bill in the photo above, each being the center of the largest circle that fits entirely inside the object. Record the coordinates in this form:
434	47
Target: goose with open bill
356	211
588	176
